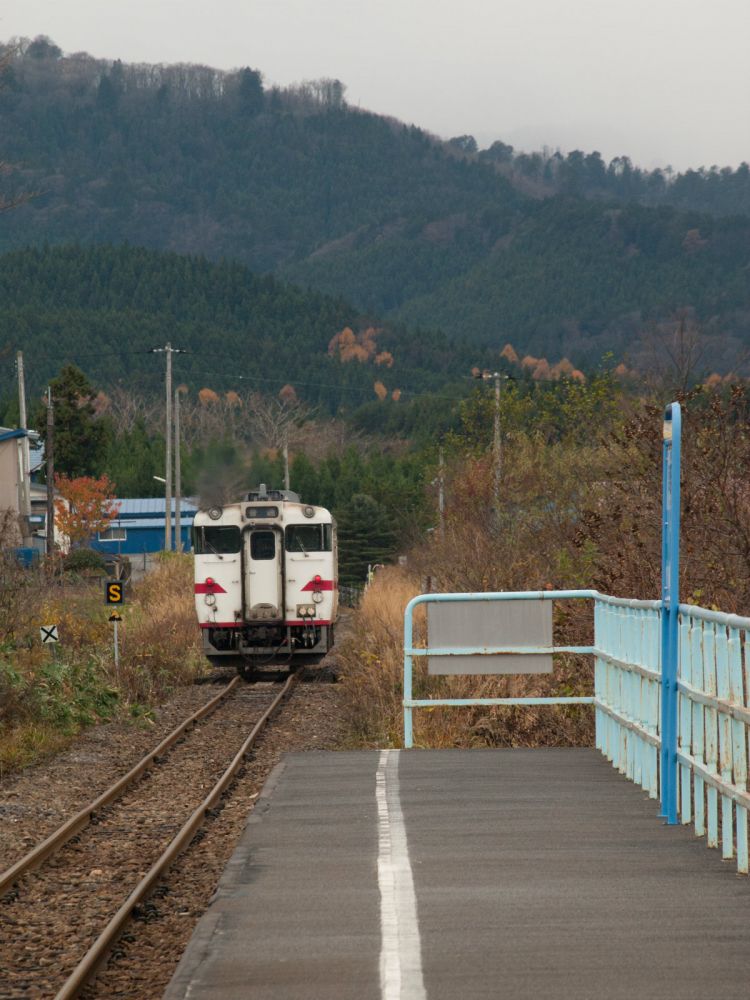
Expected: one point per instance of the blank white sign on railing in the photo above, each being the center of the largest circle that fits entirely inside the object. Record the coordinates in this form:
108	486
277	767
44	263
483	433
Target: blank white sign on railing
490	625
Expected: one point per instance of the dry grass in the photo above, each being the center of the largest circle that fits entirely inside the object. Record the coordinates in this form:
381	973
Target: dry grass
160	638
48	694
529	543
371	660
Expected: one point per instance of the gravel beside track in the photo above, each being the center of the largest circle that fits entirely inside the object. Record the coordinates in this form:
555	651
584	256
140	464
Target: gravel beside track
152	946
37	800
58	910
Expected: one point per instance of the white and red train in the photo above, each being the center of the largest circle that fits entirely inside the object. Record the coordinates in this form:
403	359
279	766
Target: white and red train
266	580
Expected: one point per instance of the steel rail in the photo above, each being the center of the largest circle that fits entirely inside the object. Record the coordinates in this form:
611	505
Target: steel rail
98	952
39	854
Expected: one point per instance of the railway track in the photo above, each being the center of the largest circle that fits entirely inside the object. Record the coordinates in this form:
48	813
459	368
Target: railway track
66	902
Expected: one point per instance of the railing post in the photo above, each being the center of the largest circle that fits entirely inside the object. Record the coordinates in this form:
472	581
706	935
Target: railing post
670	596
408	643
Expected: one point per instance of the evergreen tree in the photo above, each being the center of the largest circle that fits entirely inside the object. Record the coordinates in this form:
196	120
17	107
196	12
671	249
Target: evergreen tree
132	460
366	537
304	480
250	91
80	441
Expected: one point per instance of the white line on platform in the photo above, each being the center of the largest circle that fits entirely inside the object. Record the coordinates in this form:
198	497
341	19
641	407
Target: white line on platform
401	951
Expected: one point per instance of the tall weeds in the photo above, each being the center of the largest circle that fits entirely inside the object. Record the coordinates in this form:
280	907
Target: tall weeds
578	512
372	663
47	694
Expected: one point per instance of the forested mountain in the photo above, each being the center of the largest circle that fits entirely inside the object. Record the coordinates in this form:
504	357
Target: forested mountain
580	279
105	308
196	160
556	254
713	190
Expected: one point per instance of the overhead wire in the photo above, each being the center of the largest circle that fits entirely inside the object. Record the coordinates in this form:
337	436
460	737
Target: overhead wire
234	377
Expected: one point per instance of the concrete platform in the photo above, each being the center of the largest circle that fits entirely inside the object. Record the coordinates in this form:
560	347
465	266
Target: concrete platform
514	874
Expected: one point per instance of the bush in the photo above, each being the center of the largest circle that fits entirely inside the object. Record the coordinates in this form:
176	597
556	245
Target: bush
47	696
84	561
371	660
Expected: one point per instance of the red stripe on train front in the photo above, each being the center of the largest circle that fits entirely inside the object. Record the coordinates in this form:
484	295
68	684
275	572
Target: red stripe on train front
320	585
209	588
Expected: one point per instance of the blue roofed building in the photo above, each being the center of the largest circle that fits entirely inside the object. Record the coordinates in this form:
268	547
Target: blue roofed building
139	527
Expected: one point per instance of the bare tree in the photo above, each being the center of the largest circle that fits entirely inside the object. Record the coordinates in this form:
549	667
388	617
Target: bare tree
273	421
676	349
6	58
127	408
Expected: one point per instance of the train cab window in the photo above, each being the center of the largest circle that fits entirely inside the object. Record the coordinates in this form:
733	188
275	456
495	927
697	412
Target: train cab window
209	540
262	545
308	538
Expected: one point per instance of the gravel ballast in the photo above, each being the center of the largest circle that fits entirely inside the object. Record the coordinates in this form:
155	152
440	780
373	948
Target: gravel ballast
36	802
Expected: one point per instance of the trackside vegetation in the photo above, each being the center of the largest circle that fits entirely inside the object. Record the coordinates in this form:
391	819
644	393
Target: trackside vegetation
576	509
49	693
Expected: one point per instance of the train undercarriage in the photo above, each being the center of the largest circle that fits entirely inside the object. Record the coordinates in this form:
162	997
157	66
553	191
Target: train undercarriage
272	644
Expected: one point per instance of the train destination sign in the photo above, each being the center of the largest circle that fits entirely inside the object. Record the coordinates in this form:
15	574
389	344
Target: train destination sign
479	625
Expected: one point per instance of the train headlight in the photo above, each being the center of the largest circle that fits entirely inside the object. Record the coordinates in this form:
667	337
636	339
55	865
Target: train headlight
215	513
308	511
310	612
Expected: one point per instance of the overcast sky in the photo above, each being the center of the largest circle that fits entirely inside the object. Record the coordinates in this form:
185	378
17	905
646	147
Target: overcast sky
663	81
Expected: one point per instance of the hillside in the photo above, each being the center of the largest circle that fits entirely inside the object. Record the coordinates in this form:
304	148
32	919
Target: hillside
584	279
104	308
194	160
487	245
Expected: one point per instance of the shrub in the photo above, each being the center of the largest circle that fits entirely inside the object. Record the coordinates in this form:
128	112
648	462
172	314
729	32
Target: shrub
371	662
84	561
47	696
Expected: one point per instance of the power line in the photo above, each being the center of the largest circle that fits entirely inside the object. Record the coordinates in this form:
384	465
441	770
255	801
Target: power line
234	377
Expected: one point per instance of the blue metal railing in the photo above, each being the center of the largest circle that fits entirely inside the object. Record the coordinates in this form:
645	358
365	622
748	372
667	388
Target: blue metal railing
627	686
707	753
410	651
713	687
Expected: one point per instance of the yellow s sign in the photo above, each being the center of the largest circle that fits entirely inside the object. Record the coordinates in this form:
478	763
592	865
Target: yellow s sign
113	592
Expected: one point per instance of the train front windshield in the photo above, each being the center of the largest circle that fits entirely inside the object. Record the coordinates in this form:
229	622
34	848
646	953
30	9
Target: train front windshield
308	538
208	539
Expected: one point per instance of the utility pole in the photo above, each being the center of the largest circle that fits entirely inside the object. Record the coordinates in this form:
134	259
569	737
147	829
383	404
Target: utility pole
441	492
499	378
177	475
169	351
25	465
285	456
498	441
168	473
50	454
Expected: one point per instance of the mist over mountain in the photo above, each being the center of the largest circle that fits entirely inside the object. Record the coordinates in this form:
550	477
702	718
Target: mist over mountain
560	255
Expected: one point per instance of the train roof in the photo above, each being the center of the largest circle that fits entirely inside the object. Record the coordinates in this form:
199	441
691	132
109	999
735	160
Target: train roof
261	493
